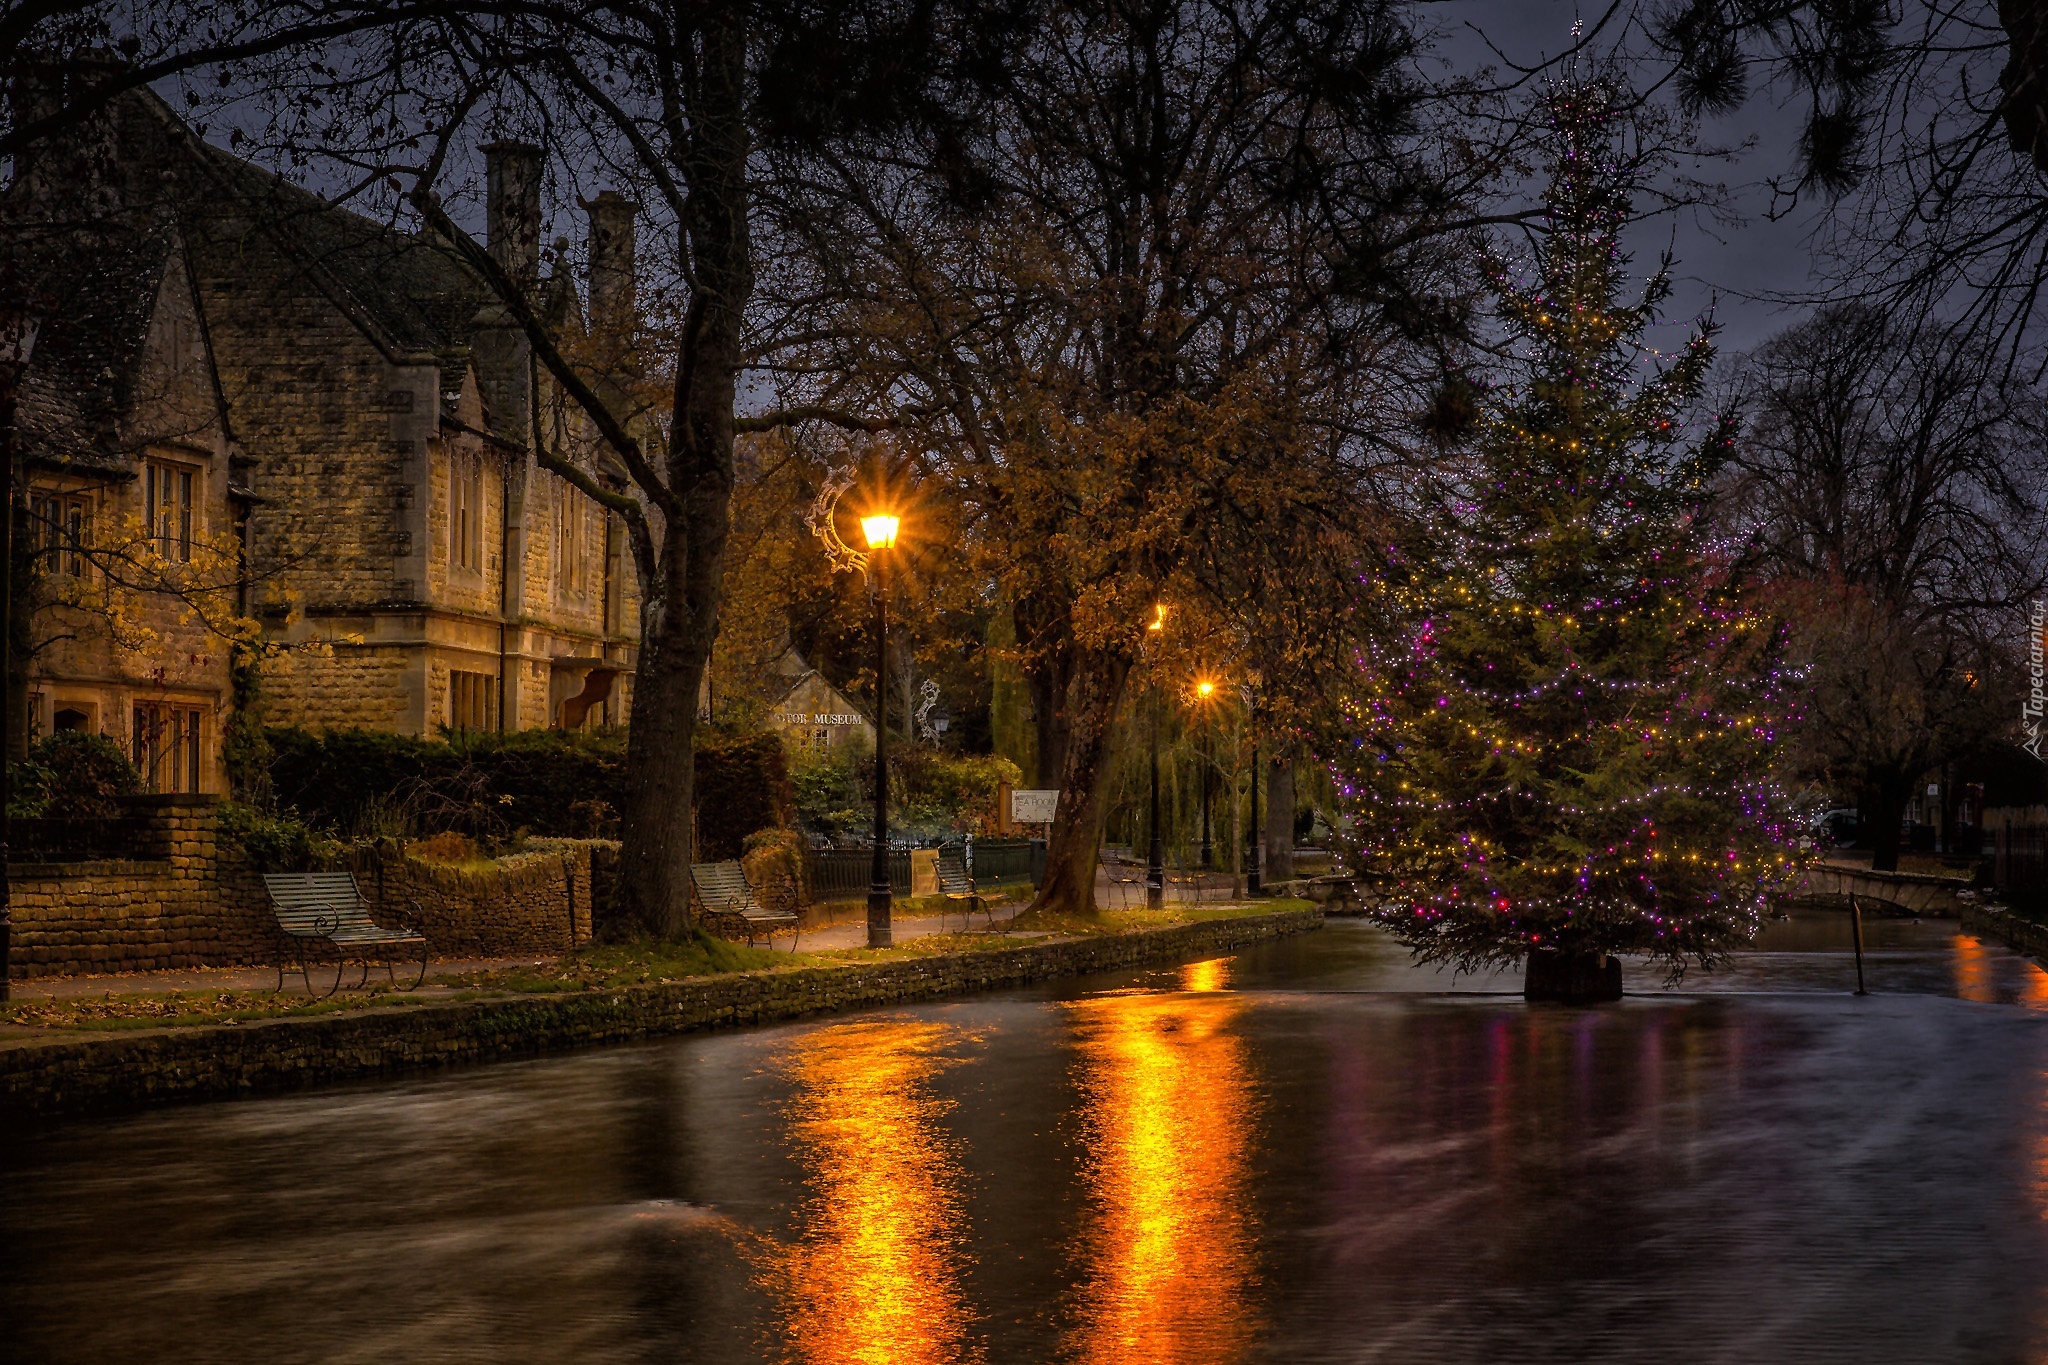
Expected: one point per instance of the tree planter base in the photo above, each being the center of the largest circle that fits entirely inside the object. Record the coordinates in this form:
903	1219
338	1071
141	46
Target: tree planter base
1587	979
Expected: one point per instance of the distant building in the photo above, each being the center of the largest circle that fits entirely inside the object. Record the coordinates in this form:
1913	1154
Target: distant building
225	360
813	715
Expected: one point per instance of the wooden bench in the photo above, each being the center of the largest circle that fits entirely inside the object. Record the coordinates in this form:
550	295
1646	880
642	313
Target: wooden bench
724	888
956	883
328	907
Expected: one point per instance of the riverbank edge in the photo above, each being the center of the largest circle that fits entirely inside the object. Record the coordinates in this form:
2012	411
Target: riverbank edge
2020	935
221	1061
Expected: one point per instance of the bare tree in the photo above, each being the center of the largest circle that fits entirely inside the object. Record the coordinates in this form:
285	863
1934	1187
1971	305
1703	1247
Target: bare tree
1892	483
1179	271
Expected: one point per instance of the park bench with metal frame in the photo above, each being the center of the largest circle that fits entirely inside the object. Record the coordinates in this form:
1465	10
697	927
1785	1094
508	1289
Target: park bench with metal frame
328	907
724	889
956	883
1123	871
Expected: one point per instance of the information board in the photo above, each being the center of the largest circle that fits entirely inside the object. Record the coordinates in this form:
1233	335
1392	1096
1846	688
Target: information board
1033	807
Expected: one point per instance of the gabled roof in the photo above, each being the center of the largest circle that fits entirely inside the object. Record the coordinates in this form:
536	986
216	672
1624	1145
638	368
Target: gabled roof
94	289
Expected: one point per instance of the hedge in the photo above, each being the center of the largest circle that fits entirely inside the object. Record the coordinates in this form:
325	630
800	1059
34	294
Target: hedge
544	782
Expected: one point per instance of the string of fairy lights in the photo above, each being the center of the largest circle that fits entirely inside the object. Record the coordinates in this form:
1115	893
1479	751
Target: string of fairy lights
1573	740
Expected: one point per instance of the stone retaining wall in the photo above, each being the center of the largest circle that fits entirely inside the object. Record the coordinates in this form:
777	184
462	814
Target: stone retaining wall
196	902
199	1063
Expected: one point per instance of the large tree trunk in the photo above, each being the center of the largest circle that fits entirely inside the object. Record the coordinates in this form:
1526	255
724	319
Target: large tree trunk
679	618
1095	689
1048	671
1888	799
1279	822
657	840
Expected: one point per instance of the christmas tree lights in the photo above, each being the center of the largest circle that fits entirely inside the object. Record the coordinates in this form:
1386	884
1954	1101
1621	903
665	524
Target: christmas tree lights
1561	746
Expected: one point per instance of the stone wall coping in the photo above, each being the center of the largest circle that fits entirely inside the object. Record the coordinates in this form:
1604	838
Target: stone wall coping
18	873
155	1066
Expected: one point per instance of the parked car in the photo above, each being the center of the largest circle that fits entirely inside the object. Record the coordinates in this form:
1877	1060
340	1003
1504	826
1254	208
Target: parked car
1837	828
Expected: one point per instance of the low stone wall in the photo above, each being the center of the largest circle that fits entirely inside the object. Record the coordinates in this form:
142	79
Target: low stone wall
196	902
532	902
1995	921
188	904
197	1063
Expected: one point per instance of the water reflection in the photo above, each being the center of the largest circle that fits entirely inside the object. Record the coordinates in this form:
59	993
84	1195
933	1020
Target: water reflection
875	1276
1168	1260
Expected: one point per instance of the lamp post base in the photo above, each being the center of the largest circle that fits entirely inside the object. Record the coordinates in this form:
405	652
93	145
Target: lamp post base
881	933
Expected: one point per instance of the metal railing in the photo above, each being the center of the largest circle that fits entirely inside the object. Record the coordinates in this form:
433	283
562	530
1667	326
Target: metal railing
2020	865
1002	860
112	839
838	874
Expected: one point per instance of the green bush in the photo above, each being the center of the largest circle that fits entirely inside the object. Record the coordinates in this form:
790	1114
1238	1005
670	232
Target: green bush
831	789
274	841
742	786
72	775
487	786
937	792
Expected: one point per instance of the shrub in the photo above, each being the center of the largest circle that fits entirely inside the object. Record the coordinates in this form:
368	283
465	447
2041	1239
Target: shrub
369	784
830	788
742	786
774	858
939	792
274	841
72	775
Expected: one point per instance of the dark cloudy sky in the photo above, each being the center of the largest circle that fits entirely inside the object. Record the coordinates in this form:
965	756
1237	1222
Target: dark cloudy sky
1718	264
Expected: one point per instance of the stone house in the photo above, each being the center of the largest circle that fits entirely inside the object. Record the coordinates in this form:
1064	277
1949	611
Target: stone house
369	448
813	716
123	436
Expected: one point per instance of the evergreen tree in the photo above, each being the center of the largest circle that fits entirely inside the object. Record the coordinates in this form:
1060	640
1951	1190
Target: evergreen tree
1562	748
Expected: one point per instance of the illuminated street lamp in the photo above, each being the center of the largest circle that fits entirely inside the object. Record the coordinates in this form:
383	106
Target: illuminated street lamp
1155	867
1205	691
880	531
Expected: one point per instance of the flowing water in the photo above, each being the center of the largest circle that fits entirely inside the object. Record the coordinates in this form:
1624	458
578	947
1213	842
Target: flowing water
1308	1151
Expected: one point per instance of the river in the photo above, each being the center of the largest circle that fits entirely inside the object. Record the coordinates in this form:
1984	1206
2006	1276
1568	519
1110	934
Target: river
1308	1151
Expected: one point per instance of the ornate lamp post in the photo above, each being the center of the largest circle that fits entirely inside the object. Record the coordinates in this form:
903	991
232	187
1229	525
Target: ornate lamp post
880	531
1155	866
1205	691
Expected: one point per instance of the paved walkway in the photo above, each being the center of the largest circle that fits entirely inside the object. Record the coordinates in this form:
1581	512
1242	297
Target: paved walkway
846	934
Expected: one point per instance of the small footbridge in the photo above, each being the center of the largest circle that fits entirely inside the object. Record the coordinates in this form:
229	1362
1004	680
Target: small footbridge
1911	893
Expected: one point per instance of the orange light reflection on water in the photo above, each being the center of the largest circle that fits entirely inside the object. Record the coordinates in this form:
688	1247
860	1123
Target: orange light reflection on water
875	1278
1973	971
1169	1114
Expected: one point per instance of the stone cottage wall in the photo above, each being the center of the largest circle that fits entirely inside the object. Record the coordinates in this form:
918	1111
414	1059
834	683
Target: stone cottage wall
187	900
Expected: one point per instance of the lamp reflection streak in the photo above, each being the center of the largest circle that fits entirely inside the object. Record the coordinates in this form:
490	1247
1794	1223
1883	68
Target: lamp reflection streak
876	1275
1169	1258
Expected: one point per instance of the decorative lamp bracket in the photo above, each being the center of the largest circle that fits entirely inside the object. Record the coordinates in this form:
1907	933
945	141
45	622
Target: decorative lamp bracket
823	521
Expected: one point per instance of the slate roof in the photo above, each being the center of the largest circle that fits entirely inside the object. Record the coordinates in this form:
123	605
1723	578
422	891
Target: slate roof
95	290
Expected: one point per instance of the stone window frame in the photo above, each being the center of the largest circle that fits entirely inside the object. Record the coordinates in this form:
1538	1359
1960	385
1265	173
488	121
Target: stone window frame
173	538
186	749
466	511
576	517
60	524
472	700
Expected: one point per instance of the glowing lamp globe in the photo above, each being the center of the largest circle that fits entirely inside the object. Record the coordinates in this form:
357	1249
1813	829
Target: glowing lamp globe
880	531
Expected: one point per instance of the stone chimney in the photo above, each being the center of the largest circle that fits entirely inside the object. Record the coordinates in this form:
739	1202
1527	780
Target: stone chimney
514	173
613	280
81	161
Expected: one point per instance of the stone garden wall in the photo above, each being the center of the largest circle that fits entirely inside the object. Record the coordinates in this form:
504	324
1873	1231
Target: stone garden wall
187	900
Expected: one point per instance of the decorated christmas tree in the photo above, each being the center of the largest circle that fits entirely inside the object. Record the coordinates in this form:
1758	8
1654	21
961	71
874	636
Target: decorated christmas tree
1562	748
